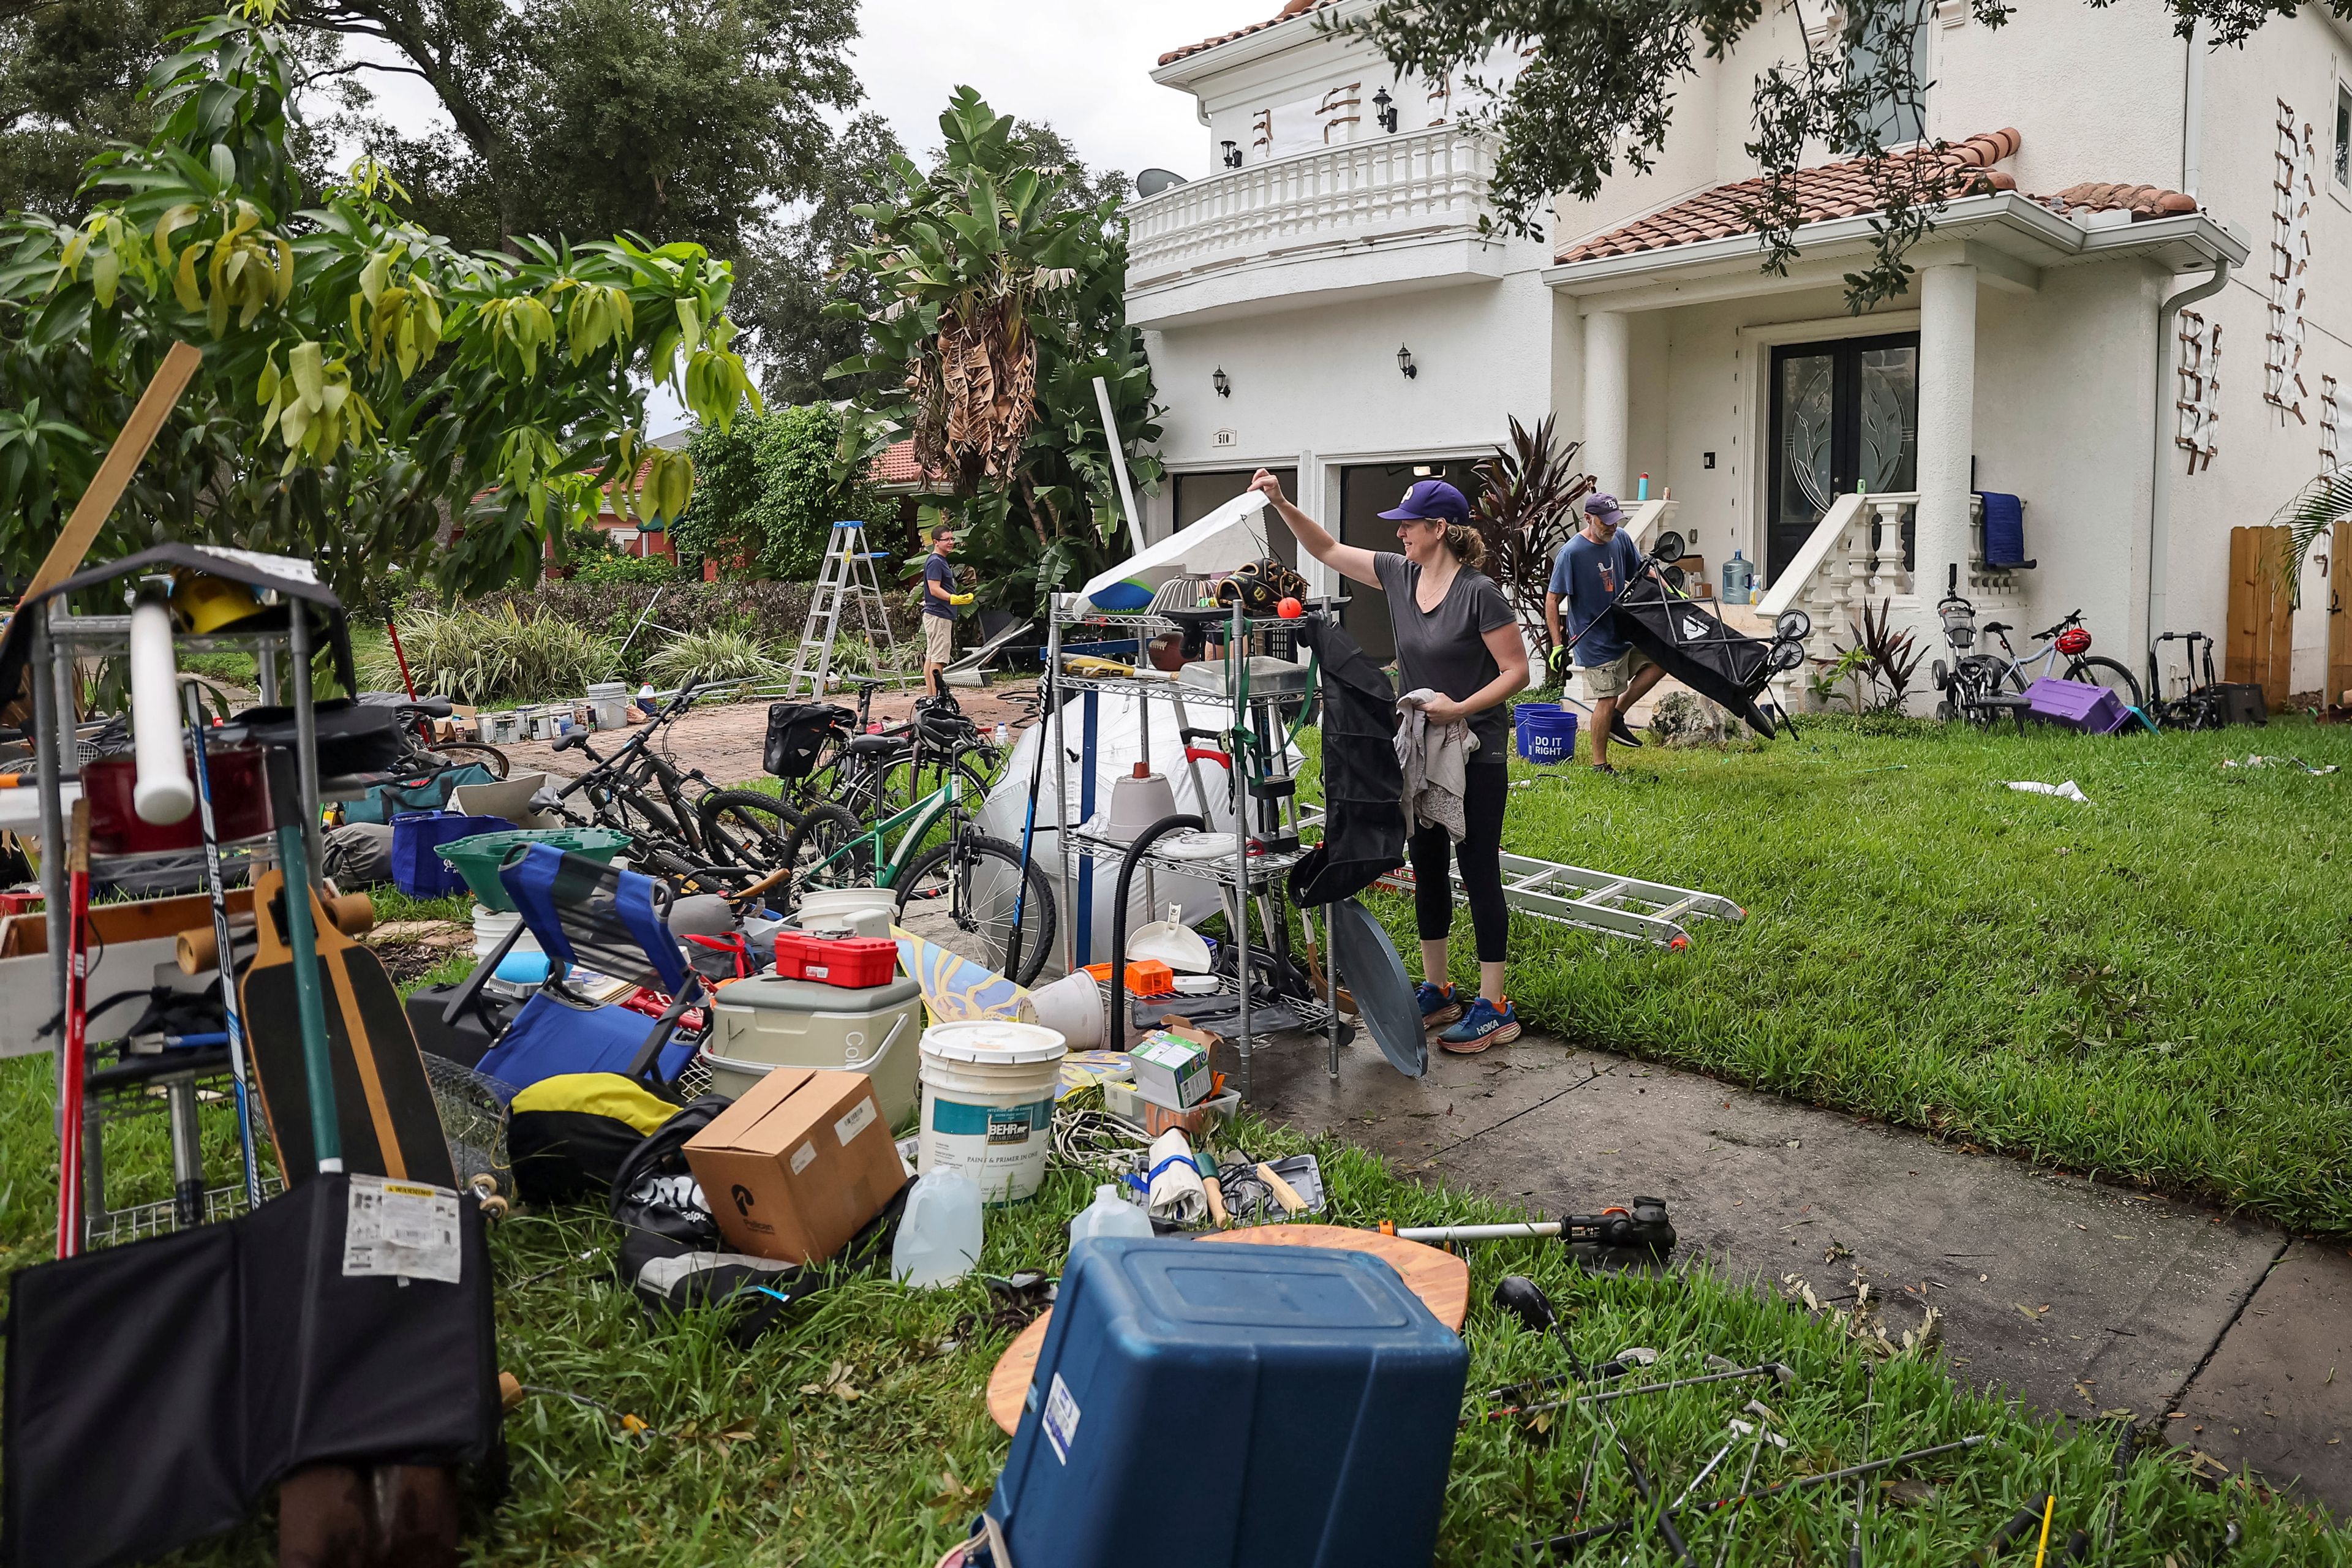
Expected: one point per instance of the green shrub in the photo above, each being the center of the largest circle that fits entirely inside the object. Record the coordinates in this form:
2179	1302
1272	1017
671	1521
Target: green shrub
493	656
712	655
615	569
765	494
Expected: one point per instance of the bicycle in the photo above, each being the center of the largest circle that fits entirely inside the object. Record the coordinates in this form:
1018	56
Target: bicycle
854	770
1982	687
959	894
2201	705
620	793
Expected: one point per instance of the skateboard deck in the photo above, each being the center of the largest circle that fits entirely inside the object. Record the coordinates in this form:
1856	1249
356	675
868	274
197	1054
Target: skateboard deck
384	1102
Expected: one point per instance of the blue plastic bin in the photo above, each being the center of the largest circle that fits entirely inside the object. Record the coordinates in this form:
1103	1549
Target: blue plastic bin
416	870
1546	731
1327	1390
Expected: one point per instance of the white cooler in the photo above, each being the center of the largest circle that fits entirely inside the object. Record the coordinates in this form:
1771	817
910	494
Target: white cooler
763	1023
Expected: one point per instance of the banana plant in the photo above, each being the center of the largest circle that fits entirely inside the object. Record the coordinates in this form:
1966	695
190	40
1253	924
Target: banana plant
369	396
2309	516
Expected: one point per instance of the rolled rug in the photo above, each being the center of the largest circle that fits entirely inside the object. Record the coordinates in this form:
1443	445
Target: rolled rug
1175	1191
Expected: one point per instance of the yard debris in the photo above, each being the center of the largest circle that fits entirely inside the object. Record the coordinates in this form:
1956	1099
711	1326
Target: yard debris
2255	760
2070	790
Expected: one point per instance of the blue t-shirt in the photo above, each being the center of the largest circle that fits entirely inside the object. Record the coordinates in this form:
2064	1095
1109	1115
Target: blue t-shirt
936	570
1586	576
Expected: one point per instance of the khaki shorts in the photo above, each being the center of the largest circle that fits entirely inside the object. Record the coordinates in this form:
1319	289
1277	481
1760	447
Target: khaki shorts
939	639
1602	682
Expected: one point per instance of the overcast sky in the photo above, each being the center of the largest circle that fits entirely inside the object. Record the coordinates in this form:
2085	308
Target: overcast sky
1081	65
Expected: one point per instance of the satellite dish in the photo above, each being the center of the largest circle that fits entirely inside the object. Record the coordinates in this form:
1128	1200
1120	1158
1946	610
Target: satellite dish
1151	181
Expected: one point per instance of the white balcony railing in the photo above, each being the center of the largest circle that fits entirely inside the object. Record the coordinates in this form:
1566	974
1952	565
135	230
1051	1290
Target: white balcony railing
1386	187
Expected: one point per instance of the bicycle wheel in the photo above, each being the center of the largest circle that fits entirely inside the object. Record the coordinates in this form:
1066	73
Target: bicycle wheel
747	827
460	753
1977	677
2106	672
826	851
960	896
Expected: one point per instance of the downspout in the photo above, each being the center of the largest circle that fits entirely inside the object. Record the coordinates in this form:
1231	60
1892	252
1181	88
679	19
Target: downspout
2192	136
2157	512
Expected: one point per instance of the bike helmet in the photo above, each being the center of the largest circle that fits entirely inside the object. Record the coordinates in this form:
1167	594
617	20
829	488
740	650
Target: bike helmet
2073	640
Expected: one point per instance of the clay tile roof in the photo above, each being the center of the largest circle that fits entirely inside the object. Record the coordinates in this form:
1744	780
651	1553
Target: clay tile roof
2143	202
1295	8
1831	191
896	466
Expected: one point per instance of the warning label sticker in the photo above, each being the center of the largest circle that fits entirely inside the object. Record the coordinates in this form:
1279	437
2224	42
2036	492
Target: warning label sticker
405	1229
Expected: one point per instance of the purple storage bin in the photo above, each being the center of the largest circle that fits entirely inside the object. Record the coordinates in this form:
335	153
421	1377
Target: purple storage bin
2078	705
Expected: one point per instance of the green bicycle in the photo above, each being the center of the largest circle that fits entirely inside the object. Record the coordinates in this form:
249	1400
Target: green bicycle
963	892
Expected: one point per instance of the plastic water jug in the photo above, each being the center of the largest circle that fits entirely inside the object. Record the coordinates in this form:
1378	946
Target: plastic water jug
1736	573
1108	1214
939	1235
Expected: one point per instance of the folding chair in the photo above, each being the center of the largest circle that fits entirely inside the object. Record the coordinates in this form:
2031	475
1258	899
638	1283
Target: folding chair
586	915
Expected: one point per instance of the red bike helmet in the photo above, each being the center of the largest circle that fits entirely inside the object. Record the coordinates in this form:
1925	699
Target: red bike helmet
2074	641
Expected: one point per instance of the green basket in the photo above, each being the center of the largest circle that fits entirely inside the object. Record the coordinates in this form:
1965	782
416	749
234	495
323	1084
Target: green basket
478	859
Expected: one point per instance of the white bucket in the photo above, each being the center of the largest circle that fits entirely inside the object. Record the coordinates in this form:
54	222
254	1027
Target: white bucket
608	703
491	928
988	1103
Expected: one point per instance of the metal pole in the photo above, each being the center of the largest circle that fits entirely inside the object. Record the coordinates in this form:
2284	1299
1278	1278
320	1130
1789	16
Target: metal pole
306	737
53	830
1061	783
1090	771
1237	694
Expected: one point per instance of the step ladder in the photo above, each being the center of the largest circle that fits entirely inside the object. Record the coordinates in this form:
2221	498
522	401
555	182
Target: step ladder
847	576
1597	900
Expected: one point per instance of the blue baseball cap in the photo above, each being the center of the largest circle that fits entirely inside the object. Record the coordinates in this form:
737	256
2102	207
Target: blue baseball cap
1430	500
1606	509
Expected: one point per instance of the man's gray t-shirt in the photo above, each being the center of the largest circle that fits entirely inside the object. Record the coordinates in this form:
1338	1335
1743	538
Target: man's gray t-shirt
1445	649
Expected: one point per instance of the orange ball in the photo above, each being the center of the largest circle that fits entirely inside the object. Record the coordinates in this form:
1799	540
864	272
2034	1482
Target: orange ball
1290	609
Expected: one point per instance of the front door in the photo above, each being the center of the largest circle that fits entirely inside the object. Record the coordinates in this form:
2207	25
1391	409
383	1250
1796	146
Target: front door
1845	414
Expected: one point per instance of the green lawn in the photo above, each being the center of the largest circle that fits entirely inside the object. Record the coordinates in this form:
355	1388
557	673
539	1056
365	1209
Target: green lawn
2155	988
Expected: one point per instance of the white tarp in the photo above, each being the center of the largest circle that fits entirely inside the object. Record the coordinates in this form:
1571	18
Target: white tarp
1226	541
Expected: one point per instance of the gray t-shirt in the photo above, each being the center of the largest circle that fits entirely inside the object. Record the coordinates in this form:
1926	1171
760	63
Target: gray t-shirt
1444	649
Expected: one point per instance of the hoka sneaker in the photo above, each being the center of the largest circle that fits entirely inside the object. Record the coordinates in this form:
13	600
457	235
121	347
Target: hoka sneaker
1438	1006
1484	1024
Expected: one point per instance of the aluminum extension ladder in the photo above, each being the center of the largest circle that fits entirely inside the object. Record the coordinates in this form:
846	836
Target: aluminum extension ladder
1598	900
847	575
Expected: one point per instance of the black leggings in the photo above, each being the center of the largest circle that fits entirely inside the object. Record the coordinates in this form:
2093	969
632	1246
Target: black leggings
1432	850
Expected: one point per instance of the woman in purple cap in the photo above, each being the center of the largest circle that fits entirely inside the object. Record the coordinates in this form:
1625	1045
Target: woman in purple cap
1456	636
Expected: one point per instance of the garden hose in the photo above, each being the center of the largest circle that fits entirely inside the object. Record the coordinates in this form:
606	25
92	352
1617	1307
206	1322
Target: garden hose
1135	853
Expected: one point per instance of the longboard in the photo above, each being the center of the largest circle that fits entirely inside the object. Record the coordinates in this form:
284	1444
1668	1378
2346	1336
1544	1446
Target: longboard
384	1102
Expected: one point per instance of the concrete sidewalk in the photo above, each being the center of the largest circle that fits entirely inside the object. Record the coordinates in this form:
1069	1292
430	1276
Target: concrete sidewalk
2084	1299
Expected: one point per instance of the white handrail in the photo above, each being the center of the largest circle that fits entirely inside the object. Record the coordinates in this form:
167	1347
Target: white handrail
1824	538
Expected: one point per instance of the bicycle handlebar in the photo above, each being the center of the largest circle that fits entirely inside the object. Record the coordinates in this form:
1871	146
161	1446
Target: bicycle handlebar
2075	619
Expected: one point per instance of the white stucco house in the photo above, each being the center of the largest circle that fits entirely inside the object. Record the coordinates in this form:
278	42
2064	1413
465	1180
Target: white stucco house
2130	327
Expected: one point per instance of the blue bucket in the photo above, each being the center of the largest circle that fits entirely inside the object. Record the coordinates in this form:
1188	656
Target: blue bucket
1547	732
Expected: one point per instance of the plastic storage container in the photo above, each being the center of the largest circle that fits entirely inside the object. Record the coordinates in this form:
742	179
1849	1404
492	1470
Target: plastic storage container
1332	1391
2078	705
1546	732
418	869
940	1232
241	803
478	859
769	1022
854	963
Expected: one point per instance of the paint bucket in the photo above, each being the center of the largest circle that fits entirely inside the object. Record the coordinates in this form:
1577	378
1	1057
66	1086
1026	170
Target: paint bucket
608	704
842	906
989	1087
491	928
1547	732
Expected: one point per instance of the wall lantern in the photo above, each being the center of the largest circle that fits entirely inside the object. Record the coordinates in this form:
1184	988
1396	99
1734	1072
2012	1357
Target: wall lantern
1232	154
1221	383
1384	114
1404	364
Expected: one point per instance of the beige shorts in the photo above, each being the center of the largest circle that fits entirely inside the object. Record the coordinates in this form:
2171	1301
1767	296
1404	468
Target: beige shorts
939	639
1602	682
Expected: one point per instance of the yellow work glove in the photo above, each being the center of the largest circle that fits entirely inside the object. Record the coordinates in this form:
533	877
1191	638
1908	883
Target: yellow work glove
959	599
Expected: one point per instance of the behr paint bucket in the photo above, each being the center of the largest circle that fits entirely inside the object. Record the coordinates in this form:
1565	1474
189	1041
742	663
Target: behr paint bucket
988	1103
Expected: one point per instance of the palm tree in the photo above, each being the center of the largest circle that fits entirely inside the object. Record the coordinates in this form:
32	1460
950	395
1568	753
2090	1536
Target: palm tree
1525	511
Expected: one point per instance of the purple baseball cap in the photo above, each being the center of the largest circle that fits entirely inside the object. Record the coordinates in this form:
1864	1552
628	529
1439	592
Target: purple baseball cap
1606	509
1430	500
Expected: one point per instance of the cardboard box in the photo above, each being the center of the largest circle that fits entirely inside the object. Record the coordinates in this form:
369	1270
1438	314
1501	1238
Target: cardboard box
1171	1071
795	1168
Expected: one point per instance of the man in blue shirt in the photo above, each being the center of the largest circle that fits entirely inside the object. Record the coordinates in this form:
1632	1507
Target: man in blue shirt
1592	568
940	601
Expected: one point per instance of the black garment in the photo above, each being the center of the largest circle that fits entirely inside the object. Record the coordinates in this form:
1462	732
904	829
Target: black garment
1484	794
936	570
1363	786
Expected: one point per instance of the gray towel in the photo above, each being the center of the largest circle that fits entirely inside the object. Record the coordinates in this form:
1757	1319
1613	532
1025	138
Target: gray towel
1436	762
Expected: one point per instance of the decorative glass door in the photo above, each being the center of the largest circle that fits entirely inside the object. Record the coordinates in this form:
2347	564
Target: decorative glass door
1845	413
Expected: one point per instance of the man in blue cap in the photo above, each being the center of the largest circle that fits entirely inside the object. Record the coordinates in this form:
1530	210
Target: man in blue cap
1594	567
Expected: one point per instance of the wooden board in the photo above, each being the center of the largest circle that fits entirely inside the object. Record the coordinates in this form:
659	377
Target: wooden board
384	1102
114	471
2339	615
2258	649
1441	1279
